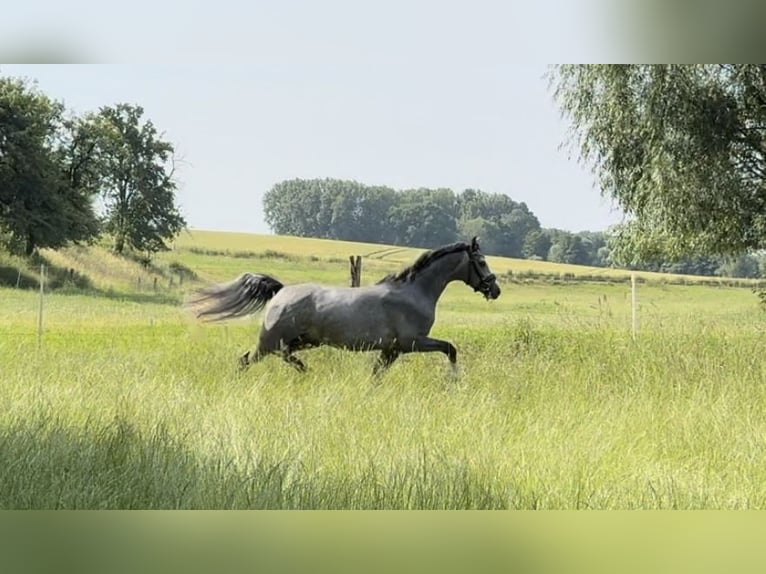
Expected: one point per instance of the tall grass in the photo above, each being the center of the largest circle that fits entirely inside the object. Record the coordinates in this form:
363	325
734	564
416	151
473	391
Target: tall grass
131	404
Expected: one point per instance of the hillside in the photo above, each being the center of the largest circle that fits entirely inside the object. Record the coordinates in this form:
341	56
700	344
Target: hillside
205	256
390	257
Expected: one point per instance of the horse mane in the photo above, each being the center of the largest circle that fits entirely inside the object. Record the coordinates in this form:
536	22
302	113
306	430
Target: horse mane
425	260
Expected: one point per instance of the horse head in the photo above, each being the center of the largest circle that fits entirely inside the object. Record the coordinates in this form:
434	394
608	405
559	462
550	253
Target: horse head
480	277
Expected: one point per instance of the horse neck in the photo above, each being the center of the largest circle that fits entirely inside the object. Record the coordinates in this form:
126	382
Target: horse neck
434	279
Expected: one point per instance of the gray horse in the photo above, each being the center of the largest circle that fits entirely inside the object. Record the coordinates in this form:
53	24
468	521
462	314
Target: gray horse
393	316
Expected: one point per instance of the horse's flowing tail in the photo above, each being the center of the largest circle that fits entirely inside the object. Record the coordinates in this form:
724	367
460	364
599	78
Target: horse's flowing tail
247	294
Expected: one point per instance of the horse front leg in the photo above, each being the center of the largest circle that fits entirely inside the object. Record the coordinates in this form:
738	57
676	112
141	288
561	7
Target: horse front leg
294	361
430	345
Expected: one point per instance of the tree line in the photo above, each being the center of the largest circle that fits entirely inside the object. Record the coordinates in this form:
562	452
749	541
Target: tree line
422	217
67	178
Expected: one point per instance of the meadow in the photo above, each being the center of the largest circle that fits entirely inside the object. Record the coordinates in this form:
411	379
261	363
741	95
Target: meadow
128	402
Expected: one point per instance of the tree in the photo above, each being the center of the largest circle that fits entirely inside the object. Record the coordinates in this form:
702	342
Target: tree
745	266
45	195
137	169
488	232
681	148
705	265
510	221
568	248
593	242
515	227
360	213
424	217
301	207
603	256
537	244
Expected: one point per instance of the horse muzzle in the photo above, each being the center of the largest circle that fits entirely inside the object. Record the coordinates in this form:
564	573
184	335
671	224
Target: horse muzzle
489	287
494	291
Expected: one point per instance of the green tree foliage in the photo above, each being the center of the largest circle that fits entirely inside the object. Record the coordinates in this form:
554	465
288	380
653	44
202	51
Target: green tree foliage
300	207
745	267
537	244
421	217
360	213
569	248
693	265
515	227
330	208
45	161
681	148
348	210
761	259
136	171
487	230
424	217
507	222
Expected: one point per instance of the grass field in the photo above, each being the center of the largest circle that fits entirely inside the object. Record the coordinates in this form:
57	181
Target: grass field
129	403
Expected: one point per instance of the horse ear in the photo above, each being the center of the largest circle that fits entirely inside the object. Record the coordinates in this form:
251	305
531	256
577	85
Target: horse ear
475	243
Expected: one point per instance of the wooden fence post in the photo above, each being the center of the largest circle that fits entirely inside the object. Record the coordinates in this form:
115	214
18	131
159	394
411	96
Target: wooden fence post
355	266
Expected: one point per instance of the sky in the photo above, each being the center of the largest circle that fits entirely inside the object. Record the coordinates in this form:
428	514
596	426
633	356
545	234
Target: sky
420	94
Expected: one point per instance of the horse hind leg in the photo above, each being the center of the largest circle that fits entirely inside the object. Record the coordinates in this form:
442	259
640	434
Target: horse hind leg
287	350
244	361
268	343
249	358
265	347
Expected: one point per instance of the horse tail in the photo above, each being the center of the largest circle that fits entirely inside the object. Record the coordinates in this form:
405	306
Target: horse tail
247	294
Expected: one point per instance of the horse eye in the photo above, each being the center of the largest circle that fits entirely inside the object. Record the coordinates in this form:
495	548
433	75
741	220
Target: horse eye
482	263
